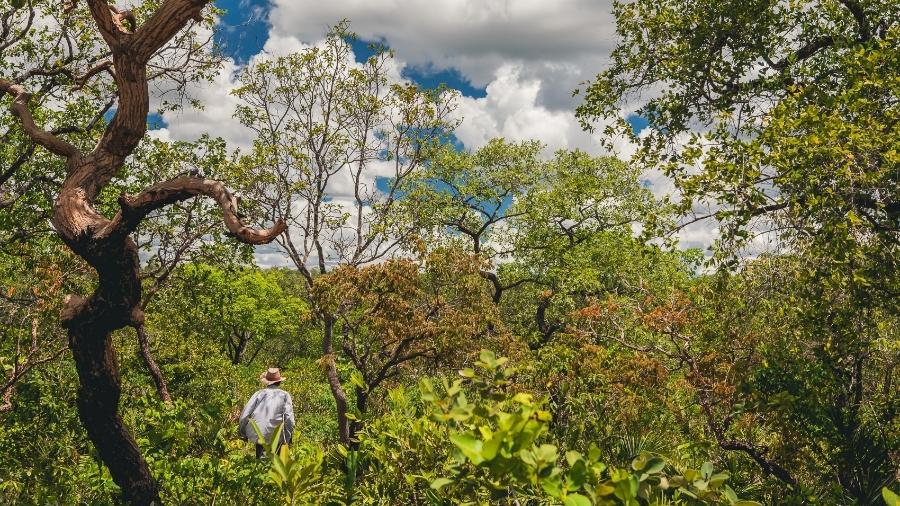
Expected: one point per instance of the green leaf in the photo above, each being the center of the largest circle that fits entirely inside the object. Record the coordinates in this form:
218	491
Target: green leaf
730	495
654	465
357	379
259	434
469	445
706	470
578	474
718	479
490	447
276	436
627	488
440	483
546	453
890	498
639	462
576	500
572	457
604	489
553	486
488	358
523	398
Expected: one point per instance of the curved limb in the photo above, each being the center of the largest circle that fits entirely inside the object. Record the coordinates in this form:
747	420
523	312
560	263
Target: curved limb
20	109
136	208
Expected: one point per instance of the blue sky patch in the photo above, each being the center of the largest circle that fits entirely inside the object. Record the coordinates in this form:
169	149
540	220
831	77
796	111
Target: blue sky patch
383	183
155	121
364	49
426	76
637	123
244	28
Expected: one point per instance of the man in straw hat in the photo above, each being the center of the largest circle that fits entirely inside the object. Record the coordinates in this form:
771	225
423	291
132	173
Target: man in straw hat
269	407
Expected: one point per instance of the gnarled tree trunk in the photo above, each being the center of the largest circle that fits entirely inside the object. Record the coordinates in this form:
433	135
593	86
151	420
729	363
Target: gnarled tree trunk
105	243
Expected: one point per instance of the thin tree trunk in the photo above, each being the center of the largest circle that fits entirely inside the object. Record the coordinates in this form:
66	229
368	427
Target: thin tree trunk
144	341
334	381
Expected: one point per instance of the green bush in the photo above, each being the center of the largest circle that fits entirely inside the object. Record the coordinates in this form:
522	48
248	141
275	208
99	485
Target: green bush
476	441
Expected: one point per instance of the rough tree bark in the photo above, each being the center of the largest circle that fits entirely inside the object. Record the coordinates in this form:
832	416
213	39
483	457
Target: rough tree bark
105	243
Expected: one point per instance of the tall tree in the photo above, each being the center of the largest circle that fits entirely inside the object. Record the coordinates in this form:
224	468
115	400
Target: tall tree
464	196
105	243
61	59
242	311
532	219
335	141
780	118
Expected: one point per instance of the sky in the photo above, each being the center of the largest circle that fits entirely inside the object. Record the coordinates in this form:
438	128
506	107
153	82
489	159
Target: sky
515	63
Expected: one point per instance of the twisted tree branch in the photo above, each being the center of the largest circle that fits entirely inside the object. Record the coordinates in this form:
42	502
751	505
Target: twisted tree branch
136	208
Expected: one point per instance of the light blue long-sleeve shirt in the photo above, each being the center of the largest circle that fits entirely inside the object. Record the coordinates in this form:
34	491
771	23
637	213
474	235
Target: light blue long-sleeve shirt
268	407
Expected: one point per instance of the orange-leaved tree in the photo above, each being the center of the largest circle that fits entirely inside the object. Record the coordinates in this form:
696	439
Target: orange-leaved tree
402	315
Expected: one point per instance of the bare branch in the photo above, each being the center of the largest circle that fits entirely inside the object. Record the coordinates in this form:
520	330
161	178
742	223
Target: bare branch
807	51
106	66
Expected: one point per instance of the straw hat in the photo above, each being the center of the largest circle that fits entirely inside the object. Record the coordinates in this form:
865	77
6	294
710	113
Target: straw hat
273	375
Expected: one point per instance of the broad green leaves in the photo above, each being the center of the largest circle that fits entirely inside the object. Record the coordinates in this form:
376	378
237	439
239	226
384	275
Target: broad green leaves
790	130
296	474
500	453
890	498
242	311
779	120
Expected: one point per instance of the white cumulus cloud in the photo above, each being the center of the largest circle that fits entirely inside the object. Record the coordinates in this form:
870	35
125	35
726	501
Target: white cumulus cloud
528	55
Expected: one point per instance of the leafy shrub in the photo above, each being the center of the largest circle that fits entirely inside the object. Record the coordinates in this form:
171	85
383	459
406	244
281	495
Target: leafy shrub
296	470
475	440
